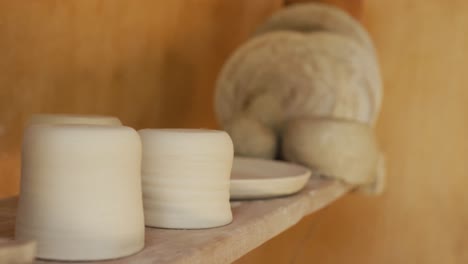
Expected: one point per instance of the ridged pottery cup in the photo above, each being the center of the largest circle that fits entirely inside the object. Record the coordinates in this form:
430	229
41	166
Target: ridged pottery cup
185	177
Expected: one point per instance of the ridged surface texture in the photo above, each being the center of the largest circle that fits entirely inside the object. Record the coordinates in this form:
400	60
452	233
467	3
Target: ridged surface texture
185	175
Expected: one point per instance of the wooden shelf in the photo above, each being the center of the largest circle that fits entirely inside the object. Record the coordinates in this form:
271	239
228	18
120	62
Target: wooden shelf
255	222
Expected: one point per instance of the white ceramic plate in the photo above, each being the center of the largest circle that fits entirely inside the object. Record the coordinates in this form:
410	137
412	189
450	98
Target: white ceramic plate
257	178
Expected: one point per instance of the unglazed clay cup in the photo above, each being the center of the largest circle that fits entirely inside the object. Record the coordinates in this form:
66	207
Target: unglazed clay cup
186	178
81	192
74	119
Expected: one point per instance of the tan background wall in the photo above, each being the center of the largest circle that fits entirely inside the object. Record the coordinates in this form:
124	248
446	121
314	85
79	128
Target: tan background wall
153	64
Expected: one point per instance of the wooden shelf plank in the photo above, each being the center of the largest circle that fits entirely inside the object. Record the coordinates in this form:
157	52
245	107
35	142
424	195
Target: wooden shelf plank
255	222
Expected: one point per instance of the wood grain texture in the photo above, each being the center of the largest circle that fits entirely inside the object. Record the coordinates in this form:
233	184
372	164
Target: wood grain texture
254	223
151	63
17	252
423	216
353	7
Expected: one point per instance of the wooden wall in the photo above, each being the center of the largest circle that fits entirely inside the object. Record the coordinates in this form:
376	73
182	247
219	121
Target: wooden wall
153	63
423	128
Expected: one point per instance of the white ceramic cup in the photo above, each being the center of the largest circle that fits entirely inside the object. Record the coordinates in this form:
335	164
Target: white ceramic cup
74	119
185	177
81	192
